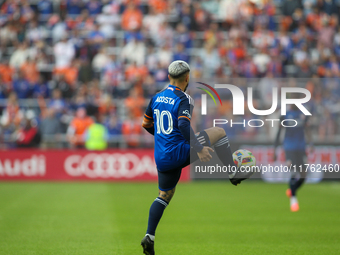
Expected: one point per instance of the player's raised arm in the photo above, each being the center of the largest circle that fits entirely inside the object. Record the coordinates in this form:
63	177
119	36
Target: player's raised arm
148	120
184	118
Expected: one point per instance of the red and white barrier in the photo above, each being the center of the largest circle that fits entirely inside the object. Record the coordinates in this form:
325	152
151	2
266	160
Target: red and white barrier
65	165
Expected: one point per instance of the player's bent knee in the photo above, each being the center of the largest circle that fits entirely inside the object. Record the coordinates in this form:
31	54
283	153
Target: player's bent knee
167	195
221	132
215	134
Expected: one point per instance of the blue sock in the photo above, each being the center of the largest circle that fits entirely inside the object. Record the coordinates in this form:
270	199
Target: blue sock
155	214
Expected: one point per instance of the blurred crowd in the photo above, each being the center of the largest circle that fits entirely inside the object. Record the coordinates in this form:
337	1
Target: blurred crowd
65	60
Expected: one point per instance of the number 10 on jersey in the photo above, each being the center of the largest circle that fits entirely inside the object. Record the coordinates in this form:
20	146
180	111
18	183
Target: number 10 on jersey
160	122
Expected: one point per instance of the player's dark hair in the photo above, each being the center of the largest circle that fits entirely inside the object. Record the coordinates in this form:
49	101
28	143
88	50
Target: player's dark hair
180	77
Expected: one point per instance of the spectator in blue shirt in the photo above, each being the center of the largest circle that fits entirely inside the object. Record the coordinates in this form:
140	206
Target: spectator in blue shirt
74	7
96	37
41	89
94	7
57	103
21	86
180	54
182	36
3	90
45	7
114	129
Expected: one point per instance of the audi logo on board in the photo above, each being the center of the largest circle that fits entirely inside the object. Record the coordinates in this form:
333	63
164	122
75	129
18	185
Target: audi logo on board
106	165
35	165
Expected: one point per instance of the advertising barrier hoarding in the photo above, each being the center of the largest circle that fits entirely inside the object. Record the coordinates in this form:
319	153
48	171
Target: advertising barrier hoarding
69	165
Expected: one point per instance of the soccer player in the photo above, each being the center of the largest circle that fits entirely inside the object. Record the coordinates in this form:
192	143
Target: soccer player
294	145
168	117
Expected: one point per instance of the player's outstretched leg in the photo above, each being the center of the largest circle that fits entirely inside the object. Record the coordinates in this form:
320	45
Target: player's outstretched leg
155	214
219	139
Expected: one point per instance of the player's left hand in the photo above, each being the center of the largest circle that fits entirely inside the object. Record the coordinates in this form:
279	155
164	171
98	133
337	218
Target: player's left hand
204	154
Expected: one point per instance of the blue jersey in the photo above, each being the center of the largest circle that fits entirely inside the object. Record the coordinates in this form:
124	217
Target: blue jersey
165	109
295	136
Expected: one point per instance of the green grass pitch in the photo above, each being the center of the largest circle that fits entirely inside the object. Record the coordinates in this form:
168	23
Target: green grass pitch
203	218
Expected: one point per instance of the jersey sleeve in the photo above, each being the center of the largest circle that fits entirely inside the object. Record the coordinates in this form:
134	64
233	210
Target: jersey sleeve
184	117
185	108
148	119
148	115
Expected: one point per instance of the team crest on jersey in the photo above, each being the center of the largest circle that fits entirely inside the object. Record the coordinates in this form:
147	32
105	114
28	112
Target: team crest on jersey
187	113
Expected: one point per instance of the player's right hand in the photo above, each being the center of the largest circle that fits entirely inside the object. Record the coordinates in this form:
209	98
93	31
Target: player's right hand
204	154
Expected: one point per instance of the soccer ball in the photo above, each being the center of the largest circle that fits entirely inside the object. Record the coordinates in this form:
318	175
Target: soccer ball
244	158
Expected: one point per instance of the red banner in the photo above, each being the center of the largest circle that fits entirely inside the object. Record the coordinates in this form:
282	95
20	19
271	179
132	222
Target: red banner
320	155
65	165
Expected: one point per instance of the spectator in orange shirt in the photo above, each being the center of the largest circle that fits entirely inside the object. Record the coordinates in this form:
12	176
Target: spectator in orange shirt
30	71
135	103
313	19
201	16
160	6
131	71
77	128
134	71
6	72
131	129
106	106
132	18
70	73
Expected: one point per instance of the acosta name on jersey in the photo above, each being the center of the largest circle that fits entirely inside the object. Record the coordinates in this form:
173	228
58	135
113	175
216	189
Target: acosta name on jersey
166	100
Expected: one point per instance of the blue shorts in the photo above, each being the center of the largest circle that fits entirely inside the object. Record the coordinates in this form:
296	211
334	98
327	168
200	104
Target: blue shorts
167	180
